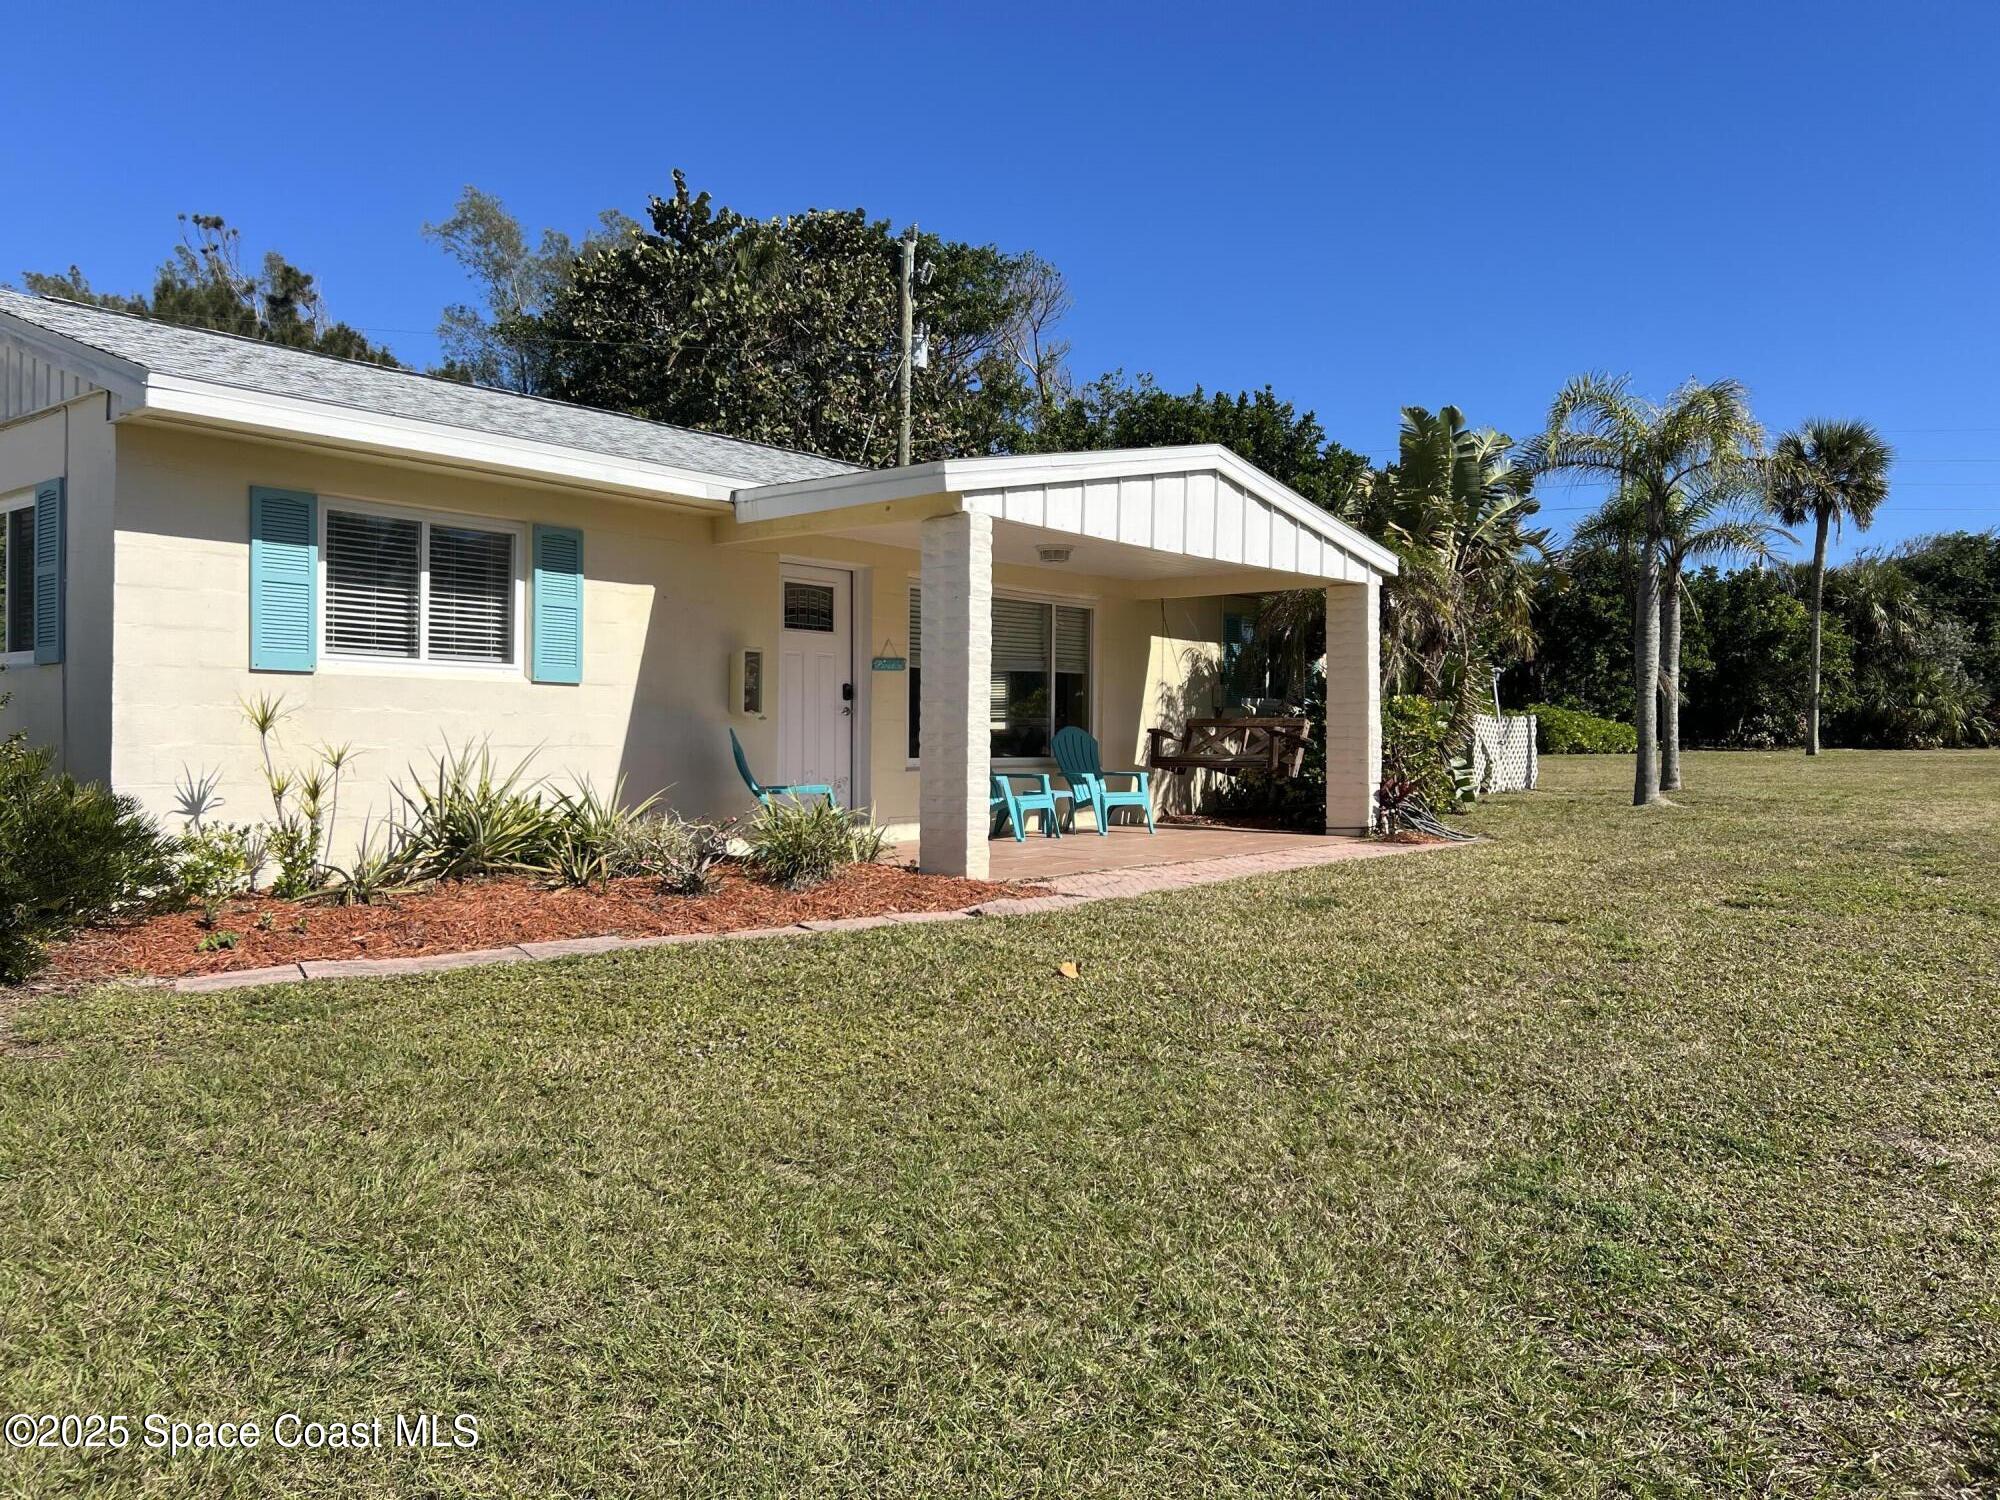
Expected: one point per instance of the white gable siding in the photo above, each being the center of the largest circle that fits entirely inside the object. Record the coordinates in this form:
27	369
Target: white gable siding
1197	513
30	383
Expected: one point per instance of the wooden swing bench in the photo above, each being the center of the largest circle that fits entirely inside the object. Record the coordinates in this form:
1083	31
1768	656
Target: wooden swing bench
1275	746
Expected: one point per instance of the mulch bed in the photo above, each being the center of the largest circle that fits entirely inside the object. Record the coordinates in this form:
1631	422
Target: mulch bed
454	917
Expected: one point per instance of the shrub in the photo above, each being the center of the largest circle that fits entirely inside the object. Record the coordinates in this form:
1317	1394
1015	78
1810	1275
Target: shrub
371	876
800	844
471	819
1417	754
294	847
591	832
213	863
681	854
71	853
1571	731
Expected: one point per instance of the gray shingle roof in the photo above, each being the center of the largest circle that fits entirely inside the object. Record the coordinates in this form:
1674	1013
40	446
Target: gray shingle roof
224	359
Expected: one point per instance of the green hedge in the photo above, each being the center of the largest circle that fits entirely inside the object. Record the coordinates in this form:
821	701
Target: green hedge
70	854
1571	731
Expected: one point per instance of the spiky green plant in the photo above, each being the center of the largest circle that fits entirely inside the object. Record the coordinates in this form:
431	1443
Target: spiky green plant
591	829
798	845
466	817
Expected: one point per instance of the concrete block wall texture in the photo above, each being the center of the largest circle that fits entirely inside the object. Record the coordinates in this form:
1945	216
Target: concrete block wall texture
67	705
158	656
955	733
663	611
1353	705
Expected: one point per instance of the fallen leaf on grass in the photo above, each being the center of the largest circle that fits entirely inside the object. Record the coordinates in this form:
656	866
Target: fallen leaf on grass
1069	968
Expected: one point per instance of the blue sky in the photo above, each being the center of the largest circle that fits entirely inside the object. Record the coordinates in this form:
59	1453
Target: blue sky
1363	205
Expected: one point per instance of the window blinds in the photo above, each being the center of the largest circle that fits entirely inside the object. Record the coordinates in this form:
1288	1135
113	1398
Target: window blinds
1020	636
1072	639
472	595
373	590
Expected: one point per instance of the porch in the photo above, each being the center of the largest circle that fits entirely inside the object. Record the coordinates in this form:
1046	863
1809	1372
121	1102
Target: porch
1100	562
1131	848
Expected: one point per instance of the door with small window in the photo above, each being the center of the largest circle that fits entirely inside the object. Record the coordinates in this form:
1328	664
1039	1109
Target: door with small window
816	680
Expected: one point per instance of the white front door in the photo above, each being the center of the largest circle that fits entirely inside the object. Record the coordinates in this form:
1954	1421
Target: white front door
815	680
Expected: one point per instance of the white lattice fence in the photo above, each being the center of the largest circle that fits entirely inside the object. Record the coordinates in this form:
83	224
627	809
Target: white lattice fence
1503	752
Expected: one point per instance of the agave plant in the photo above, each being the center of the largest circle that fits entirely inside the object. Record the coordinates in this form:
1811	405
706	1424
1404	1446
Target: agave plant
374	874
467	818
590	830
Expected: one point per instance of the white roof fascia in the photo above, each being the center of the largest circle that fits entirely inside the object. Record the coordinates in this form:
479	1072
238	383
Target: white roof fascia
122	377
960	476
265	412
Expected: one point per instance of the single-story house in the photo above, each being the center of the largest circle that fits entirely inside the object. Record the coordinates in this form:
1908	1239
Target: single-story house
191	520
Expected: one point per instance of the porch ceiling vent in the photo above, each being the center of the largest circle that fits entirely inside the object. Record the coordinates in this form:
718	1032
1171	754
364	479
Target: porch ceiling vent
1054	556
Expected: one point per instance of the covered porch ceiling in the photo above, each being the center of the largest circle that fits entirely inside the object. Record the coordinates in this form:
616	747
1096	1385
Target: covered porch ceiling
1170	520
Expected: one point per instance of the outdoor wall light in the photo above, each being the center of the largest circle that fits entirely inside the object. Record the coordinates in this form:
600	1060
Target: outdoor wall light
1053	556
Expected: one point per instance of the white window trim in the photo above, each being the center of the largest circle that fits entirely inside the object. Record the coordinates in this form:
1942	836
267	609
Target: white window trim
23	500
1086	602
423	665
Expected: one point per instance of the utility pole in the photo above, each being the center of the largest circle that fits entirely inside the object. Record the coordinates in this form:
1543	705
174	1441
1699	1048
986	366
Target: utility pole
903	364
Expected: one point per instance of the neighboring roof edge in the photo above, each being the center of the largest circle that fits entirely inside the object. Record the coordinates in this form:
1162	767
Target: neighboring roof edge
970	475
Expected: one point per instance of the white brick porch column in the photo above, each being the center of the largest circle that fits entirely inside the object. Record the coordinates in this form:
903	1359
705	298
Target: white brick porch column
955	739
1353	705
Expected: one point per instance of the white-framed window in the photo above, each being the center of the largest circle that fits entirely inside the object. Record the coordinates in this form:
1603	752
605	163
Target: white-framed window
420	587
1041	673
17	579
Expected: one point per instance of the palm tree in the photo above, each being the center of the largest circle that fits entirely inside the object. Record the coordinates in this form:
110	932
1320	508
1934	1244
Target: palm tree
1829	473
1703	436
1454	508
1707	522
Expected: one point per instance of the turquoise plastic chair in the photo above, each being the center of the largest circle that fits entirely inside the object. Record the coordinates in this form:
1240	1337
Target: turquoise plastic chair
1012	806
764	793
1076	753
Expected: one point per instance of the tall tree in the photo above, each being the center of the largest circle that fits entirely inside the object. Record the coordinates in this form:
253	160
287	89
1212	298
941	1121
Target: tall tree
1705	522
1829	473
1257	426
203	284
1455	508
502	344
1745	656
784	331
1700	437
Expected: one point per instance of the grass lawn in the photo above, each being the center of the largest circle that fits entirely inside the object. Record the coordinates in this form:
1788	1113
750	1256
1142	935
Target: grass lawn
1631	1151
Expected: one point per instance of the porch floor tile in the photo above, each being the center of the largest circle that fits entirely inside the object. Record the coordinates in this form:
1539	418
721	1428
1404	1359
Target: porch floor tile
1084	853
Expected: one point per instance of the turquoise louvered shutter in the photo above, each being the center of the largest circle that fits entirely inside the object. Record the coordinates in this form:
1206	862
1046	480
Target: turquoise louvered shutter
50	523
558	605
284	580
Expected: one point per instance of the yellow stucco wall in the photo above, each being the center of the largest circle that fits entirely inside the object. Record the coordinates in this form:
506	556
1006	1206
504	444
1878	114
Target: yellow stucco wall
68	705
1155	660
665	609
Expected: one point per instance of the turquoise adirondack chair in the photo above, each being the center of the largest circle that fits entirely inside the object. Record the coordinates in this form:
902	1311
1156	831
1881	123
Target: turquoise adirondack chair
1076	754
764	793
1011	806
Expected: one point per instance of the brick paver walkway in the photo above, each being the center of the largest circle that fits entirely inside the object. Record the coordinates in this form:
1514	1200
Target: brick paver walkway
1276	852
